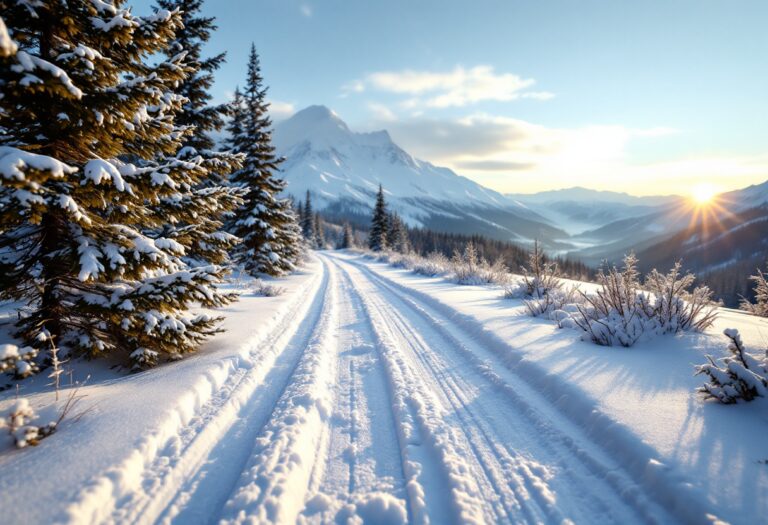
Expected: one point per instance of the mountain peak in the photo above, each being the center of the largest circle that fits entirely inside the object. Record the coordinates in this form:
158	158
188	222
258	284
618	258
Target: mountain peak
316	113
319	125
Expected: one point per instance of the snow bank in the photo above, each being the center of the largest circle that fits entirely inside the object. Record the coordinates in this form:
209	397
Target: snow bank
137	426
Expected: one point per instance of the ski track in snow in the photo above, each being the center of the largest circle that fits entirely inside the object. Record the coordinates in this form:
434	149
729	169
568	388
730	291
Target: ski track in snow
366	405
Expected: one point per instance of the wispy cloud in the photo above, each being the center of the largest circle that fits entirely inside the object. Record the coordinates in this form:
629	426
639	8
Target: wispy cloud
279	110
381	112
455	88
306	10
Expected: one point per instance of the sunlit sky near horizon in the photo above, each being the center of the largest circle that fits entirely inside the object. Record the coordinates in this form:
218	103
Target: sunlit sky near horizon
648	97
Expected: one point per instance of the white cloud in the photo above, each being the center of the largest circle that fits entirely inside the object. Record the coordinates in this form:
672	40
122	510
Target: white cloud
279	110
381	112
456	88
306	10
513	155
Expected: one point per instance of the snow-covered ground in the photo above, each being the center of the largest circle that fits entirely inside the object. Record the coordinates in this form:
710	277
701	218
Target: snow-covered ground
368	394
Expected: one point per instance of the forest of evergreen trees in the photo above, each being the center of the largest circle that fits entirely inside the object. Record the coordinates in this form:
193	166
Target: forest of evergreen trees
118	213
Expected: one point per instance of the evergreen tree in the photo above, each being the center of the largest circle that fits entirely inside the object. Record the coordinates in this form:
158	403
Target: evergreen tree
266	223
236	111
319	232
192	209
308	220
347	237
78	95
190	39
397	235
377	237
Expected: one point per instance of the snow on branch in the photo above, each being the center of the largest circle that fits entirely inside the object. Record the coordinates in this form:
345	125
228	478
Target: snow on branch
15	163
738	377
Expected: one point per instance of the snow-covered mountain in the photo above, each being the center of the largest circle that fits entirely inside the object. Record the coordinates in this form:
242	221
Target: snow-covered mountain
343	170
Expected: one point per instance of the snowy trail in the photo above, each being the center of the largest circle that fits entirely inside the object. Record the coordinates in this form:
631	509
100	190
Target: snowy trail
365	405
528	463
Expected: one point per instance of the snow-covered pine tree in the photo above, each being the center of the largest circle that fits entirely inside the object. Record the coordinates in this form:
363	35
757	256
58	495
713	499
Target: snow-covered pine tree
319	232
266	223
77	96
397	235
347	237
196	110
760	306
308	220
377	237
197	212
234	127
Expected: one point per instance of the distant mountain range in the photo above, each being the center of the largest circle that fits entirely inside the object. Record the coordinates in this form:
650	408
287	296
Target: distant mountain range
343	169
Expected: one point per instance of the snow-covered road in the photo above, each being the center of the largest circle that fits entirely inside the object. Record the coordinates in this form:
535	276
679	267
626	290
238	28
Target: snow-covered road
370	405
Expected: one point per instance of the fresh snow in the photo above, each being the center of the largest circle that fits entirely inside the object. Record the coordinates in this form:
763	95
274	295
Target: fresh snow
367	394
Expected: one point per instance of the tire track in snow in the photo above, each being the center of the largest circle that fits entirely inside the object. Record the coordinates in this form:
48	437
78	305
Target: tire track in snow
273	486
361	475
442	486
182	481
455	367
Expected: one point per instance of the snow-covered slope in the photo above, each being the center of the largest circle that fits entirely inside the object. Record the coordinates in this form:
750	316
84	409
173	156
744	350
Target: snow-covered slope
343	170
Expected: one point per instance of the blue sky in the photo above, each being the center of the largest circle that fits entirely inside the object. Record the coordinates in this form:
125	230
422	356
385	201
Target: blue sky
645	97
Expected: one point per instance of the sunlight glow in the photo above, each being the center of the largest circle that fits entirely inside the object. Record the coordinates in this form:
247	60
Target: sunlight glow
703	193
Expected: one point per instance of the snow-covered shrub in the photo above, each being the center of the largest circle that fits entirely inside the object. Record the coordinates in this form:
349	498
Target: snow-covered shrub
554	300
433	264
20	362
466	265
760	306
259	288
17	421
620	312
541	287
541	277
674	307
470	269
738	377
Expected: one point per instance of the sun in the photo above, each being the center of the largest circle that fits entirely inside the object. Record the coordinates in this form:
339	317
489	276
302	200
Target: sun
703	193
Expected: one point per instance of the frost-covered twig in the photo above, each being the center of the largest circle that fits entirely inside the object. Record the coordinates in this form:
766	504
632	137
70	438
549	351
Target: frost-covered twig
738	377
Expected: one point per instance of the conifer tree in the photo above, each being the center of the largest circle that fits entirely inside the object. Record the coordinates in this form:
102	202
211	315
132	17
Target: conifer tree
397	235
308	220
207	241
347	237
319	232
266	223
78	96
234	127
377	237
190	39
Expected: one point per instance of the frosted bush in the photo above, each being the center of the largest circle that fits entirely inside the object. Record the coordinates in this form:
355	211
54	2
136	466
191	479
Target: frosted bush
20	362
433	264
621	313
760	306
470	269
540	277
17	419
738	377
554	300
